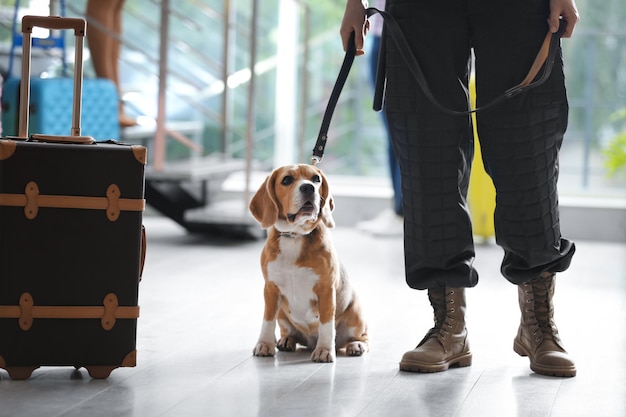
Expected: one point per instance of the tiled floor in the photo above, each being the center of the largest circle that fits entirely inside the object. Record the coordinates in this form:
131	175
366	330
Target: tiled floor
201	301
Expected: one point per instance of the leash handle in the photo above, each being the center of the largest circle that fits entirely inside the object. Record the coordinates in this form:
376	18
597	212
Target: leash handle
546	55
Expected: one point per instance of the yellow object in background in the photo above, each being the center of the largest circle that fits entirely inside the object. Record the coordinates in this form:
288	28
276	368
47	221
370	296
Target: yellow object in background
481	196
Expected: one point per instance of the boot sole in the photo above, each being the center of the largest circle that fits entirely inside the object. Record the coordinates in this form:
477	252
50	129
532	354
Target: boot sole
543	370
456	362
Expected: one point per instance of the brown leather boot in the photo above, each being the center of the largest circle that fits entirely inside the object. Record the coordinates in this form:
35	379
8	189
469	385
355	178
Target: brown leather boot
537	337
446	344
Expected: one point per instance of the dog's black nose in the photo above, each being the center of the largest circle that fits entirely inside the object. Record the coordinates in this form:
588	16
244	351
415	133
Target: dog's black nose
307	189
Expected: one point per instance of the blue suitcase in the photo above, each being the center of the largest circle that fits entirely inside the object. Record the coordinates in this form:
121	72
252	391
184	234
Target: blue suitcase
50	109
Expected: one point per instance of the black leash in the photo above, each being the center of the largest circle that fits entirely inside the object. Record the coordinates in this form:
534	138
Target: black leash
547	55
318	150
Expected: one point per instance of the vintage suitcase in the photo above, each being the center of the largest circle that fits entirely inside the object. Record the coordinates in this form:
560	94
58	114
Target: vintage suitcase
71	244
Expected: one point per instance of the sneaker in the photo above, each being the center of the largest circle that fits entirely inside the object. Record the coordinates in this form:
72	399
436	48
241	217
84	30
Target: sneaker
386	223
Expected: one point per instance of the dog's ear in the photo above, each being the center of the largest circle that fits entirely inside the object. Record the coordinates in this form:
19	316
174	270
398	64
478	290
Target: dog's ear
327	203
263	205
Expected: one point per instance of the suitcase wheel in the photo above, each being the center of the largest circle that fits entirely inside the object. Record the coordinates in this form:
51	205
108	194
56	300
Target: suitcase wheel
100	372
20	372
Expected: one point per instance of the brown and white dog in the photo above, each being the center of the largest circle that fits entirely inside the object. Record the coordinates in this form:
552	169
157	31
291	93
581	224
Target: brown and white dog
306	287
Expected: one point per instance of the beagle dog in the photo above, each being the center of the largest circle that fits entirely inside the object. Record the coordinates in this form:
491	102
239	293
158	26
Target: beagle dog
306	288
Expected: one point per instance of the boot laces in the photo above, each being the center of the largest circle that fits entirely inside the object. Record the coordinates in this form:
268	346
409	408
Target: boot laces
444	328
539	312
443	319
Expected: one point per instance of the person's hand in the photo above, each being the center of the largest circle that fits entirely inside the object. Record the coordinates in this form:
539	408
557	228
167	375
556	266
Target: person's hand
565	9
354	20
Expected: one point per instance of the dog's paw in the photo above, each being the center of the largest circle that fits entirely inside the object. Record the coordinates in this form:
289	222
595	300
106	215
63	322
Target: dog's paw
356	348
263	349
287	344
323	355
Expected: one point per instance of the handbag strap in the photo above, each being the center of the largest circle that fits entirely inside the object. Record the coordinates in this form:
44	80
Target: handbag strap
547	55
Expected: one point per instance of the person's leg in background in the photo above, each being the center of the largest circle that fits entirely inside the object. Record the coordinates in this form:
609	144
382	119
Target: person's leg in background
103	36
388	222
394	167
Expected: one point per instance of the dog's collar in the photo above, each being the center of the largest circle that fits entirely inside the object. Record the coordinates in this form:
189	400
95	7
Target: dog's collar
294	235
290	235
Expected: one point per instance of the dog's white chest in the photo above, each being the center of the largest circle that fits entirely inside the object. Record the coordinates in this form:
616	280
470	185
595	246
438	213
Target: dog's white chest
295	283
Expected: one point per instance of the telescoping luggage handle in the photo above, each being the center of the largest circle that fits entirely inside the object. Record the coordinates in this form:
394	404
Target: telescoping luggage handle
53	23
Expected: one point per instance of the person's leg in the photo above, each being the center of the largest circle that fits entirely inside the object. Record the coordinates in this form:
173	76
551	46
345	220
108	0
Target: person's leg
101	44
388	222
104	43
434	152
520	142
394	168
117	6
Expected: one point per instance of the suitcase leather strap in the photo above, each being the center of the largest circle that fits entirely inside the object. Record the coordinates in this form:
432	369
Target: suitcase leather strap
27	311
32	201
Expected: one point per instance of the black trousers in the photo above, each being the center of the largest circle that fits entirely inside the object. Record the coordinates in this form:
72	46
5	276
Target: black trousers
520	139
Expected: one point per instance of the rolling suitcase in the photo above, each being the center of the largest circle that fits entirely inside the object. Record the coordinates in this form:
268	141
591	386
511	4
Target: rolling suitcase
71	241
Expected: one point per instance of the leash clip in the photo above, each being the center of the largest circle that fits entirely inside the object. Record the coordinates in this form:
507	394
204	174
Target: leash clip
318	150
315	160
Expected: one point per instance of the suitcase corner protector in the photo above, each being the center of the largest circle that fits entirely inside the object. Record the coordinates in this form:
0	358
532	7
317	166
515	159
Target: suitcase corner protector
130	360
7	149
141	154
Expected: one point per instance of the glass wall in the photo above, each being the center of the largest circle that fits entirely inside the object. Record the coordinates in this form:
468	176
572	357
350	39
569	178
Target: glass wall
593	158
211	67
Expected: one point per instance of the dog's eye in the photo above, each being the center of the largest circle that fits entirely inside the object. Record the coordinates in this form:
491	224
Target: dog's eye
316	178
287	180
